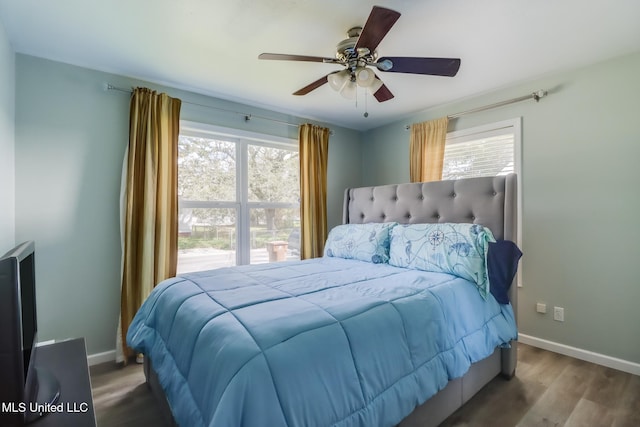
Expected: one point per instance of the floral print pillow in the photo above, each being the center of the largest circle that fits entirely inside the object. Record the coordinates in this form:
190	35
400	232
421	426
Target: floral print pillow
364	242
458	249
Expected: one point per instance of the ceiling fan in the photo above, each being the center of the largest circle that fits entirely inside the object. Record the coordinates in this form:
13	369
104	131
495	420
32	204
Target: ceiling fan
358	55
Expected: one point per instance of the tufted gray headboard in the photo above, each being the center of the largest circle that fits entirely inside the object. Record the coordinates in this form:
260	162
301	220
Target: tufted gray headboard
490	201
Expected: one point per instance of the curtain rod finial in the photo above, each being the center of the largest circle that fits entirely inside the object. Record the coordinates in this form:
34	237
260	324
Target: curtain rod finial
537	95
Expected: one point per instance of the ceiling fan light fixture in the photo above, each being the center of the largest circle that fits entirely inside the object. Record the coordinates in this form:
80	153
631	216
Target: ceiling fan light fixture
365	77
349	90
338	80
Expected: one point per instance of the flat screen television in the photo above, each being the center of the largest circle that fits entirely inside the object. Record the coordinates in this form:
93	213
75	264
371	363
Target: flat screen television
25	386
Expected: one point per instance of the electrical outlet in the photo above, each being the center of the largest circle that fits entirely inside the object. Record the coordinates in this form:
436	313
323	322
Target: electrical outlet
558	314
541	307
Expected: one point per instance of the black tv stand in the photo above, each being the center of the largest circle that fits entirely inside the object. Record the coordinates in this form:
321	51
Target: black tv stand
67	362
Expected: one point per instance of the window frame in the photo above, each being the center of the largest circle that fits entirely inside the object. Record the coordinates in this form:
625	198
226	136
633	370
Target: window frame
241	205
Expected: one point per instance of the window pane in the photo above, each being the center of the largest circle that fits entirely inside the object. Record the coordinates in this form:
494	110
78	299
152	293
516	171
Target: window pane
273	174
206	238
274	234
229	181
206	169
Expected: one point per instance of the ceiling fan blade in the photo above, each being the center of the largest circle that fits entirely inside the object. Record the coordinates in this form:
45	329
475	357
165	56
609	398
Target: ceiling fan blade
311	86
383	93
287	57
377	26
432	66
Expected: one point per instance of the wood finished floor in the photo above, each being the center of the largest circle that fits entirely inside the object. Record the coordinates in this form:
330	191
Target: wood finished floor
549	390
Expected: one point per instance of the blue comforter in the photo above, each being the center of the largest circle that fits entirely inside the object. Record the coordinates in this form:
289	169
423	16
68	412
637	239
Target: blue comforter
322	342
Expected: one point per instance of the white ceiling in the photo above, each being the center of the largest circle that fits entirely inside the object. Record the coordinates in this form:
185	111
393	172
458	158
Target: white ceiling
211	46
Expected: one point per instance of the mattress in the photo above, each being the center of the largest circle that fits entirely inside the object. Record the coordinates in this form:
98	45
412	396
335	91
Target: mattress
321	342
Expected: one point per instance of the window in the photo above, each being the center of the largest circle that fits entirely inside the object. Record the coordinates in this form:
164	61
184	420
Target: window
488	150
238	198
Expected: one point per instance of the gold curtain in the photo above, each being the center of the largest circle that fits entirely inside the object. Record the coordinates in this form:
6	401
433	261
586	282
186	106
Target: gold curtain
314	151
426	150
151	211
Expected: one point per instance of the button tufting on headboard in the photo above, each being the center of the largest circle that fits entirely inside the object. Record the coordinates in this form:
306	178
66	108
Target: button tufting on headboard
478	200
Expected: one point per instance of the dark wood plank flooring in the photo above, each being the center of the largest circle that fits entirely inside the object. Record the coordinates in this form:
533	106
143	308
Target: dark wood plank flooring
549	389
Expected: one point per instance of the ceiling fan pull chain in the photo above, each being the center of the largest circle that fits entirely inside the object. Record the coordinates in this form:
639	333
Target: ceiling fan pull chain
366	108
356	97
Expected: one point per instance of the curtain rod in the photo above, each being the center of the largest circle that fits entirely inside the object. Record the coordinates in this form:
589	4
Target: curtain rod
247	117
537	95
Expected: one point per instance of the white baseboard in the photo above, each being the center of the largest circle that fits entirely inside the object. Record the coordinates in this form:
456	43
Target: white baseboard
107	356
92	359
578	353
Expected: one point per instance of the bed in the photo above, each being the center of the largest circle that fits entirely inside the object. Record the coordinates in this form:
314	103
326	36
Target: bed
360	340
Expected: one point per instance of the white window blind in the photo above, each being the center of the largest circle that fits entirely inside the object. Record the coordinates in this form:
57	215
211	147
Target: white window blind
488	152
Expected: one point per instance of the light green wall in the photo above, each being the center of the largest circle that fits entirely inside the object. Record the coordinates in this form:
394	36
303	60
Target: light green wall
70	141
581	198
7	138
